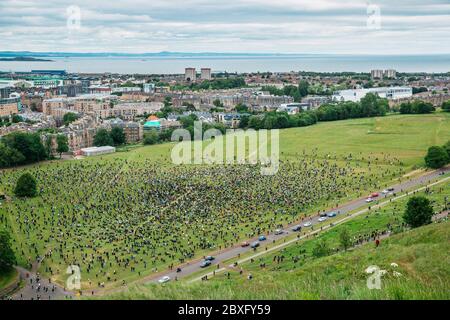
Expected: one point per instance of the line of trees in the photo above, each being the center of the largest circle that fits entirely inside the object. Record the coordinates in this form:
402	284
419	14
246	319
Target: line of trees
296	92
416	107
369	106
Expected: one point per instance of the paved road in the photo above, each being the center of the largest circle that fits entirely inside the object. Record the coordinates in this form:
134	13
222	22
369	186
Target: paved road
221	256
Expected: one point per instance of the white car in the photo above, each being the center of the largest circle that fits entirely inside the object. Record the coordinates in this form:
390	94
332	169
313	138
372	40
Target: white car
307	224
368	200
385	191
278	231
322	219
164	279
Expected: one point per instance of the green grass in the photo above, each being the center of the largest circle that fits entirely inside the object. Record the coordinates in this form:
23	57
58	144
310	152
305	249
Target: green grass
421	255
74	213
7	278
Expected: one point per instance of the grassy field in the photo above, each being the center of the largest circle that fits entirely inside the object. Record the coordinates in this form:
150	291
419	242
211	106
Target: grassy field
130	214
421	255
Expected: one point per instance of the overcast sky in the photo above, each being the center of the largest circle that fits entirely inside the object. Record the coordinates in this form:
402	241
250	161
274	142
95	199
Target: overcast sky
284	26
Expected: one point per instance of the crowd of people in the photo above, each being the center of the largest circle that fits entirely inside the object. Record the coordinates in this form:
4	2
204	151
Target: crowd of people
121	219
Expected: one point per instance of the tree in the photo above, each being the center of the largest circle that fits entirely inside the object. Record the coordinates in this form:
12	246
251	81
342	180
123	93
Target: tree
321	249
345	239
118	136
28	144
437	157
103	138
446	106
303	88
241	108
26	186
151	138
63	145
9	156
69	118
418	212
7	257
447	148
243	123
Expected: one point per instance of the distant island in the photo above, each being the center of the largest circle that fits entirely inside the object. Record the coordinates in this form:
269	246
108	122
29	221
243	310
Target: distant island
23	59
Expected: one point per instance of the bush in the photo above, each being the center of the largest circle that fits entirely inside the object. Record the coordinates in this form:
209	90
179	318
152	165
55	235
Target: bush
7	257
437	157
151	138
418	212
446	106
26	186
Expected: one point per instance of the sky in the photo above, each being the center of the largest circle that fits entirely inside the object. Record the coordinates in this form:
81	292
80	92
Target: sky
248	26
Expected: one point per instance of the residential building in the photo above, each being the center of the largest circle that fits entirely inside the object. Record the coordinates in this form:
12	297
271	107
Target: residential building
205	74
190	74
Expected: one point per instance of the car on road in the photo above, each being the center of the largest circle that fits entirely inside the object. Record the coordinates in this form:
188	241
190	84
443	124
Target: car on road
323	214
262	238
322	219
278	232
331	214
255	244
307	224
164	279
390	189
375	195
209	258
368	200
297	228
245	244
205	263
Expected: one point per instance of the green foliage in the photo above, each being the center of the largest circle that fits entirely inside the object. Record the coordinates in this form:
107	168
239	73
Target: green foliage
446	106
62	144
15	118
241	108
69	117
103	138
416	107
447	148
418	212
22	148
118	136
7	257
26	186
437	157
345	239
151	138
188	121
321	249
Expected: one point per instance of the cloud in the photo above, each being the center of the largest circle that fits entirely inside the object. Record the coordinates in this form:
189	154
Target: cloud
303	26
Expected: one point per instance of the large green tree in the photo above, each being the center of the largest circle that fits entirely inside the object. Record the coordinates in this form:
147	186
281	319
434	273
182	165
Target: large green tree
63	145
437	157
69	117
26	186
7	257
118	136
418	212
103	138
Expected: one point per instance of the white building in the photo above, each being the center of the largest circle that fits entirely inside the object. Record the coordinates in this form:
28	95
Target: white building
190	74
95	151
206	74
355	95
293	108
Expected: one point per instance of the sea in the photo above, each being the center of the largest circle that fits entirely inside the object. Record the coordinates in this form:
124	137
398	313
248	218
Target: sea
235	63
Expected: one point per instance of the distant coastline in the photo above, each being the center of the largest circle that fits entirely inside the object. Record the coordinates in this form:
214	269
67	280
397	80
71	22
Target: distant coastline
25	59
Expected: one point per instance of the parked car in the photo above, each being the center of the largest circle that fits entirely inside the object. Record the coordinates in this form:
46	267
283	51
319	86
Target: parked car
245	244
391	189
323	214
164	279
297	228
368	200
209	258
255	244
322	219
375	194
278	231
307	224
262	238
331	214
205	263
